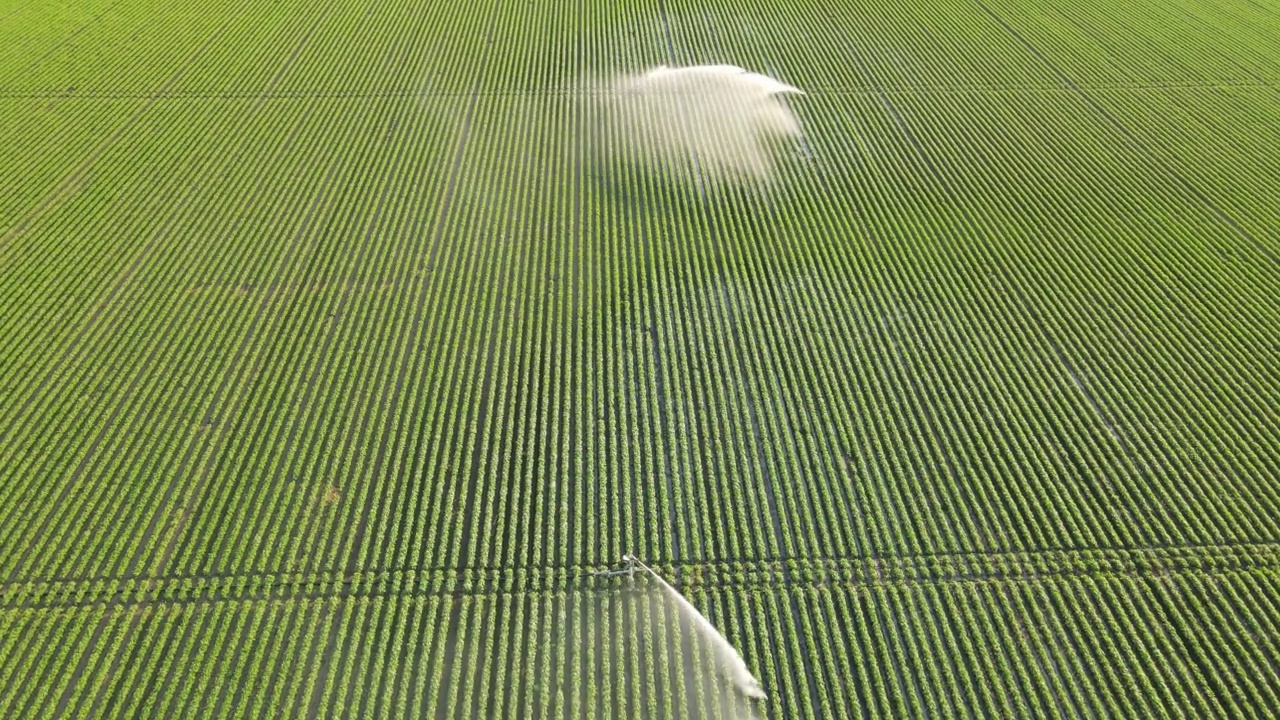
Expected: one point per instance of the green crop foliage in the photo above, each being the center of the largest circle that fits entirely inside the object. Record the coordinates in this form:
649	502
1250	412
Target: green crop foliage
337	349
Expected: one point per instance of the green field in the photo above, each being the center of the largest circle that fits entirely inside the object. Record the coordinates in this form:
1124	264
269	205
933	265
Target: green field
328	365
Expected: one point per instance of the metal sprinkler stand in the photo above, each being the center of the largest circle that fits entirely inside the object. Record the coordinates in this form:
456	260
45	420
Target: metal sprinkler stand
628	568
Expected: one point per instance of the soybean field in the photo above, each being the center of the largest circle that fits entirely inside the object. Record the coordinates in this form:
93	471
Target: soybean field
333	361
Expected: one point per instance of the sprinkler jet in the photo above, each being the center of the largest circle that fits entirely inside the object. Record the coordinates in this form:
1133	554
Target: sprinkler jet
719	122
728	661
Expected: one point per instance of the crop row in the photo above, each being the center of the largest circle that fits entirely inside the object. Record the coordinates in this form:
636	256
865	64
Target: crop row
643	384
1058	647
1143	324
579	376
1148	43
117	343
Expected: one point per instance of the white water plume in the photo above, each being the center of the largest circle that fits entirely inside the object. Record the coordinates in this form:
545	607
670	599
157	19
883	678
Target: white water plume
728	661
626	648
720	119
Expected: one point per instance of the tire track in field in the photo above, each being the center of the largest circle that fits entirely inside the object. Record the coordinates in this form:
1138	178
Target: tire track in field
465	544
1028	557
454	621
442	216
838	571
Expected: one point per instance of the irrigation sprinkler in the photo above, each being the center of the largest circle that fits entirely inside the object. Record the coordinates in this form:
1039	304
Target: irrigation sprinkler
722	118
729	663
628	568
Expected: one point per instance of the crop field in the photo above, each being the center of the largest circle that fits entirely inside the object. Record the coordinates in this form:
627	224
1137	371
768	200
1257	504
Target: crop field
332	364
